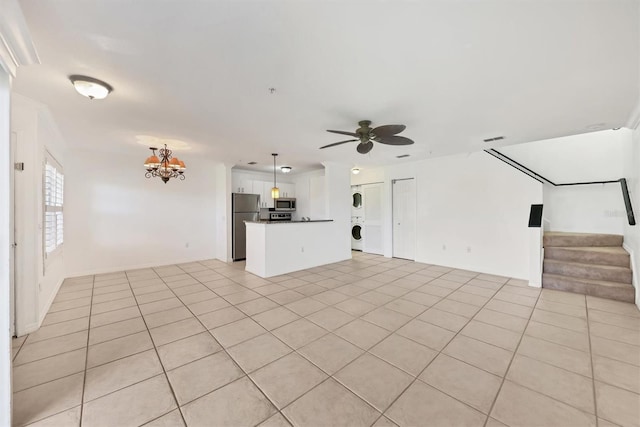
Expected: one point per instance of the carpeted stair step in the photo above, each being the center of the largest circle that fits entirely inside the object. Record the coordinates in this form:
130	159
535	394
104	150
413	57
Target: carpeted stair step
557	238
598	288
588	271
604	255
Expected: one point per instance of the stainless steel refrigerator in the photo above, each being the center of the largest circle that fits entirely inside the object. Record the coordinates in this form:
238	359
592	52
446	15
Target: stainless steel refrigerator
244	207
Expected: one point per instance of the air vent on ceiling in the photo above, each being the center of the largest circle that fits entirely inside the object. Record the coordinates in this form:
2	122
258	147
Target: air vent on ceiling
252	163
496	138
402	156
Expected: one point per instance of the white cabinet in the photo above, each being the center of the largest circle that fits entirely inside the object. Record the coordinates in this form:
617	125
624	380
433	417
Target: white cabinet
246	183
241	183
287	190
263	188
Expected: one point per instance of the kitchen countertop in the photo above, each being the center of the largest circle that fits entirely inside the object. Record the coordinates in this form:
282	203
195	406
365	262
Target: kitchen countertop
288	222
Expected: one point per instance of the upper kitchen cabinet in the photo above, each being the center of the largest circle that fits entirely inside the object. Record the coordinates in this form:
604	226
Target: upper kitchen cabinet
263	188
261	184
287	190
241	183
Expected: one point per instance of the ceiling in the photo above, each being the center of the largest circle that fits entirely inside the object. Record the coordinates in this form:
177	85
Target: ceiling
454	72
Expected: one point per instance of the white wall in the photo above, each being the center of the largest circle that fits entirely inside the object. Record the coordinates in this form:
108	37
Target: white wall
585	209
5	283
223	212
474	206
36	282
473	214
117	219
338	206
632	233
596	156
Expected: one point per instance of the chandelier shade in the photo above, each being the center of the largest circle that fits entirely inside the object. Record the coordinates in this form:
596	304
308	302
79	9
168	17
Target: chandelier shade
164	166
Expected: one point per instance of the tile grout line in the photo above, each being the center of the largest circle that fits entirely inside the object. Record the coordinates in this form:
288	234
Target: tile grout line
245	287
228	355
439	352
86	358
593	376
513	356
155	348
19	349
386	336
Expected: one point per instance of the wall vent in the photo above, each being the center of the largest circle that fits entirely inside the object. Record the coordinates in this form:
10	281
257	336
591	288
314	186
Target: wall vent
495	138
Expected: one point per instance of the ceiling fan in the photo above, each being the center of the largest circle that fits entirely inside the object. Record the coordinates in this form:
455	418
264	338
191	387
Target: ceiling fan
386	134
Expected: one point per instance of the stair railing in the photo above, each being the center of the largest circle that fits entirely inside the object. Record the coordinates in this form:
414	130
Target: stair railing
522	168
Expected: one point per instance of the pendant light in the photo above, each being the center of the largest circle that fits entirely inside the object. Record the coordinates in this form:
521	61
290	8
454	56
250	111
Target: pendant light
275	191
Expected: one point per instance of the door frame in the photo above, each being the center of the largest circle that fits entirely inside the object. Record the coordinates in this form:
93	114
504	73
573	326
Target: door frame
13	144
393	234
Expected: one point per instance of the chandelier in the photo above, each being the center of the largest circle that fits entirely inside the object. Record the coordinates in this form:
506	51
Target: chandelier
165	166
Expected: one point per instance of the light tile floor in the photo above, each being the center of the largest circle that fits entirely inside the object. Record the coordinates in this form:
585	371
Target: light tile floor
369	341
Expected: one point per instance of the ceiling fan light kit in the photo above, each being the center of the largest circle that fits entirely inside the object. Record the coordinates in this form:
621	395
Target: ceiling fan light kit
386	134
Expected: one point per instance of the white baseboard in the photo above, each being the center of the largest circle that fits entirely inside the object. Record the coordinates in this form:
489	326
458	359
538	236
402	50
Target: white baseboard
31	327
104	270
34	326
47	306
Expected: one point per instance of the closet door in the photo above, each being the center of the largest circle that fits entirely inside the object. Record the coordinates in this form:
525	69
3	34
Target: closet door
404	218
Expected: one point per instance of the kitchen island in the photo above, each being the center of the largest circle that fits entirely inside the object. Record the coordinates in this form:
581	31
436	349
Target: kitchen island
281	247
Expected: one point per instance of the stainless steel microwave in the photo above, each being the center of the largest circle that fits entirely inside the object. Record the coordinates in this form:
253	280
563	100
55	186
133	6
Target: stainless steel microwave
287	205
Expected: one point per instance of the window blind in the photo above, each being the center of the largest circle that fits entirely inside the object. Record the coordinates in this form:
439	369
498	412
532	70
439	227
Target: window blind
53	205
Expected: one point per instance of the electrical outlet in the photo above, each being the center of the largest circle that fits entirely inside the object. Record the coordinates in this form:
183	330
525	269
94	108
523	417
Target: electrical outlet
302	249
186	245
444	247
468	249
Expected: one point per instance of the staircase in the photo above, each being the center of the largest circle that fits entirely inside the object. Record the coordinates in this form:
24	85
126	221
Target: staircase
590	264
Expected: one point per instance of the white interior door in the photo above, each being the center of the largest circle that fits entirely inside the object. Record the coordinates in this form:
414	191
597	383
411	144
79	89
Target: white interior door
404	218
12	235
372	230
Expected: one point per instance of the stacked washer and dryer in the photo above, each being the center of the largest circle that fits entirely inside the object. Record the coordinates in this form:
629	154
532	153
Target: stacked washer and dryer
357	218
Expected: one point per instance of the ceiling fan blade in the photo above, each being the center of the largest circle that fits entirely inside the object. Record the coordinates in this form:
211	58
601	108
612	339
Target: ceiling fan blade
388	130
393	140
364	147
341	132
338	143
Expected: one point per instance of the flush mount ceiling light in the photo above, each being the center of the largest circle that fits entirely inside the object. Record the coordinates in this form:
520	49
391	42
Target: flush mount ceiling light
275	191
90	87
355	171
166	166
285	169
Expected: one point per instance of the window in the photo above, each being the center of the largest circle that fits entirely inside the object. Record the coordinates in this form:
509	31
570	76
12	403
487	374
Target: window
53	206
